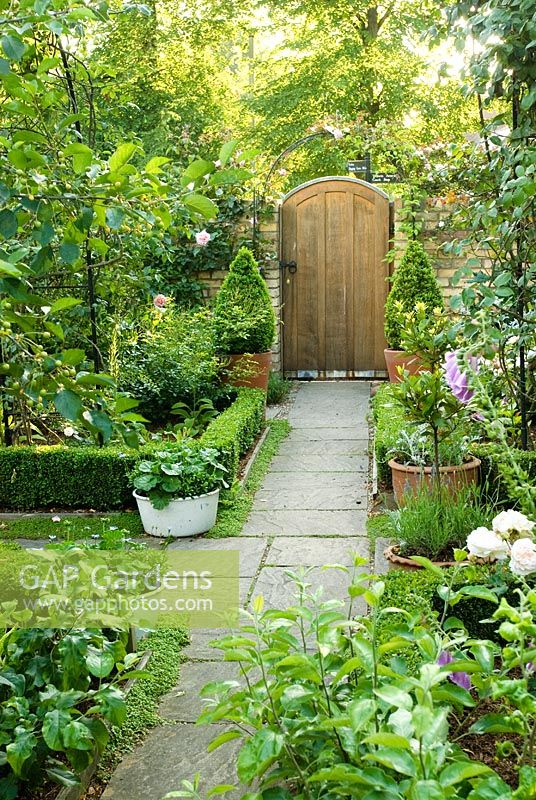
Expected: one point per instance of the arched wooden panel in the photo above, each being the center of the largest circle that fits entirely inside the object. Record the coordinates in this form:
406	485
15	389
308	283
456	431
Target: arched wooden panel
337	232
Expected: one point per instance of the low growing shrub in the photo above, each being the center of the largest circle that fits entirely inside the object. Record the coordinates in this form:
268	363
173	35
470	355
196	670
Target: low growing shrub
174	360
389	419
492	481
278	389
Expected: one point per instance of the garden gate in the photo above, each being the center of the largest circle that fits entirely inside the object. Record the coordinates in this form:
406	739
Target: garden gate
334	242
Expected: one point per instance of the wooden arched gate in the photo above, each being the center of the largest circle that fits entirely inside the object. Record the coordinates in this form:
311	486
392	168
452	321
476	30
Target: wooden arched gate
334	242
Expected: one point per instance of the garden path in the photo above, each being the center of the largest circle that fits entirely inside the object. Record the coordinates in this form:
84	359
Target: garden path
310	511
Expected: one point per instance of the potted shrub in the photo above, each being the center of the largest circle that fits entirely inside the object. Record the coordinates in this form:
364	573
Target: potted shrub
413	282
177	490
436	405
244	323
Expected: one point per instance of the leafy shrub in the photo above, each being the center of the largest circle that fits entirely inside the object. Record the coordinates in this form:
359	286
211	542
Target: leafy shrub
187	470
244	319
319	712
414	281
173	361
33	478
278	389
56	693
431	524
492	480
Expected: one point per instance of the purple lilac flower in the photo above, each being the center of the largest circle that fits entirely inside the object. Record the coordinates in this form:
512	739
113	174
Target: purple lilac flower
456	379
459	678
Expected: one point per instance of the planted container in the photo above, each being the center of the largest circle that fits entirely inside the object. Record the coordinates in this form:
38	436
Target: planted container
188	516
244	324
177	490
409	478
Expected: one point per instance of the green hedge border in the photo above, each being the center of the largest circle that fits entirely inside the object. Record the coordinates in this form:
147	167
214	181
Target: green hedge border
389	419
90	477
491	457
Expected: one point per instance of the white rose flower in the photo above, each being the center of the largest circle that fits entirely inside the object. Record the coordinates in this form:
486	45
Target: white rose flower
508	522
483	543
523	557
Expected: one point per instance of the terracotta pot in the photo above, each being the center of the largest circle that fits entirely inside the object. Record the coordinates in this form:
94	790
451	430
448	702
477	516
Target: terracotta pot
407	478
399	358
255	368
392	554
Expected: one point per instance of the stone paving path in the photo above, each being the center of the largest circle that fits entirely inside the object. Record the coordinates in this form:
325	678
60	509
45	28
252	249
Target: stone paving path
310	511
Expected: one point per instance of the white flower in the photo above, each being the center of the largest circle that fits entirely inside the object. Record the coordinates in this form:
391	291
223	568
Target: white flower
523	557
508	522
483	543
56	519
69	431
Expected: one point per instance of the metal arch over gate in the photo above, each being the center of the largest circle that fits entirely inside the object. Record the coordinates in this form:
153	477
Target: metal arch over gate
334	239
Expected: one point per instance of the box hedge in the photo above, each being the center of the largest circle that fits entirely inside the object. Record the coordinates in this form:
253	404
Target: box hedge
90	477
389	419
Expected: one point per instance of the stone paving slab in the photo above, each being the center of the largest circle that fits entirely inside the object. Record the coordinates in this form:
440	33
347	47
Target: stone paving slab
250	550
295	445
318	463
183	703
199	648
316	433
312	498
310	551
305	523
170	754
279	591
310	481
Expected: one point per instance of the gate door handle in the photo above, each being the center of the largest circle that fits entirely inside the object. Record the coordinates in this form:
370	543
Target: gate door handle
290	265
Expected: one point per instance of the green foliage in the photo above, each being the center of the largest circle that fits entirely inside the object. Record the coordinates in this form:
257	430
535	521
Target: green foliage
244	319
59	477
142	701
389	419
332	719
414	281
501	206
64	477
170	360
58	690
492	457
433	524
235	430
278	389
234	509
187	470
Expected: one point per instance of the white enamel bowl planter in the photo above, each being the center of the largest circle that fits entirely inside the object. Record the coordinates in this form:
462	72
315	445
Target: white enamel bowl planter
186	516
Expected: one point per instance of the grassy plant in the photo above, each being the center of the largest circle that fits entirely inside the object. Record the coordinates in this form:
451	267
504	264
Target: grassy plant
278	389
432	523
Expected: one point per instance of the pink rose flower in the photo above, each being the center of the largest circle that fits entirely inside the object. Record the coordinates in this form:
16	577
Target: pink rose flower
202	238
523	557
160	301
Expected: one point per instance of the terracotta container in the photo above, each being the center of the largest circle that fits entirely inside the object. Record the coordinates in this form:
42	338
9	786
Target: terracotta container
399	358
255	368
407	478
